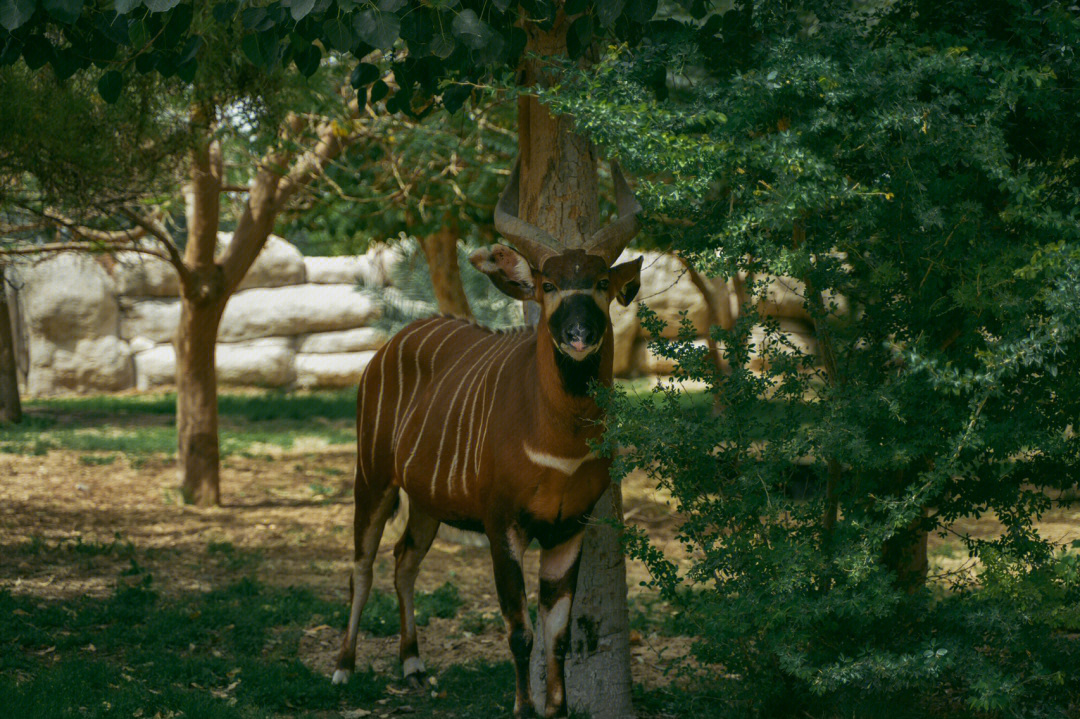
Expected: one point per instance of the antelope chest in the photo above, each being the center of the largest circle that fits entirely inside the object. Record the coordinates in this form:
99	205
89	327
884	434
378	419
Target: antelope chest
565	486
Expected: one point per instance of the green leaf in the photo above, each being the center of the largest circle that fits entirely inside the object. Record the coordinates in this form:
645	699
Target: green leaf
338	35
391	5
109	86
364	74
579	36
139	34
65	11
37	51
257	19
160	5
252	50
300	8
608	11
378	29
379	90
15	13
576	7
501	4
190	49
470	29
224	12
640	11
442	46
307	60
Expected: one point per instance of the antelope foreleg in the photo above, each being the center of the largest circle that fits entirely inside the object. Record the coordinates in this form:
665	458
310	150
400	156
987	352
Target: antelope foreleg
506	550
408	553
558	579
372	511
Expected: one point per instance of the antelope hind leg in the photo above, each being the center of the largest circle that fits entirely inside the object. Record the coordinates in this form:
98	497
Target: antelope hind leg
373	508
408	553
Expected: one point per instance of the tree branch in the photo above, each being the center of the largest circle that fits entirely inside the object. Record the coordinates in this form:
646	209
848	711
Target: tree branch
172	253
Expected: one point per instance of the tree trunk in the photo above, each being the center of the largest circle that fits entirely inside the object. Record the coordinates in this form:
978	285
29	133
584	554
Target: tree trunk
559	194
196	402
10	406
440	249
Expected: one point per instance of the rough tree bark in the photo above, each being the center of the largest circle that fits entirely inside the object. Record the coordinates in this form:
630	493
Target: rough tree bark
440	249
207	282
10	406
559	194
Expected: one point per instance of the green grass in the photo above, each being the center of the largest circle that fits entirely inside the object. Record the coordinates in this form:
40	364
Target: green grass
139	426
232	652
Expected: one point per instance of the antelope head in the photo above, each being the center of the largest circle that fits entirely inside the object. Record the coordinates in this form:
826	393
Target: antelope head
574	285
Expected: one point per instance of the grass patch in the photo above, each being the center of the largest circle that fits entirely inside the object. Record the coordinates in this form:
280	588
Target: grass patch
381	612
139	426
229	653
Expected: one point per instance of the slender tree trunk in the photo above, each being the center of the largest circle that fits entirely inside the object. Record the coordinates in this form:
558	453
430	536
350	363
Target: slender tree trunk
440	249
196	402
10	406
559	194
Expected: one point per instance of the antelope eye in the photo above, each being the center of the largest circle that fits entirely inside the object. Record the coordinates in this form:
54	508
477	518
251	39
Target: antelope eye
602	285
548	287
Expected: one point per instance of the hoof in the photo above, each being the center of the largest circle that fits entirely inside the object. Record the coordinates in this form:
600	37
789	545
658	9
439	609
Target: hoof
417	681
341	676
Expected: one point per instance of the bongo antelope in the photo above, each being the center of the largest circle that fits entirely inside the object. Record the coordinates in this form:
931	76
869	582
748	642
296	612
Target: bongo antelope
488	431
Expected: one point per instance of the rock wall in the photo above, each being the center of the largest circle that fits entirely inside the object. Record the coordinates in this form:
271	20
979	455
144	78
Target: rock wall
88	324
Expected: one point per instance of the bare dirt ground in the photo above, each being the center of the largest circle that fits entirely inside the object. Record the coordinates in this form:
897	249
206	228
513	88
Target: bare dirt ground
286	520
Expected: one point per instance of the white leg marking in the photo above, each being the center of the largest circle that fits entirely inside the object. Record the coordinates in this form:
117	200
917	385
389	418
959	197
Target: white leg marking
556	562
516	543
412	665
341	676
554	622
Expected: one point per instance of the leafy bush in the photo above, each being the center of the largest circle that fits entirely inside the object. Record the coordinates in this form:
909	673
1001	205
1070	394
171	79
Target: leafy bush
916	167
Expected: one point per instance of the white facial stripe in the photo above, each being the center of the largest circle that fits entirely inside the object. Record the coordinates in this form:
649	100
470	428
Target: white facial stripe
552	300
566	465
556	562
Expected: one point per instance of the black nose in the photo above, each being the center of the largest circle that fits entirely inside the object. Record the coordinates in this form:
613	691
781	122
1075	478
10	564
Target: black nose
578	334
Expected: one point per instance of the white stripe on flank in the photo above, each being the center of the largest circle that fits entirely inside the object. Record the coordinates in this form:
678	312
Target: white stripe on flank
378	403
494	396
475	372
409	408
427	414
401	369
482	378
566	465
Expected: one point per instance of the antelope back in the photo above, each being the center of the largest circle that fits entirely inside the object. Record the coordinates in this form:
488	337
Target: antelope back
432	402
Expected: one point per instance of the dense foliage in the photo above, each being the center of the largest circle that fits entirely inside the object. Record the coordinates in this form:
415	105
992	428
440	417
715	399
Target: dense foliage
917	166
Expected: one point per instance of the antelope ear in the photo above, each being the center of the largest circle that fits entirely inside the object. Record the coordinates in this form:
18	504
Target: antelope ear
626	281
507	270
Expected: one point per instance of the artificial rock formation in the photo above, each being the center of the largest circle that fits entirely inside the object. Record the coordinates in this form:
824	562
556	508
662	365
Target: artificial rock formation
87	324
